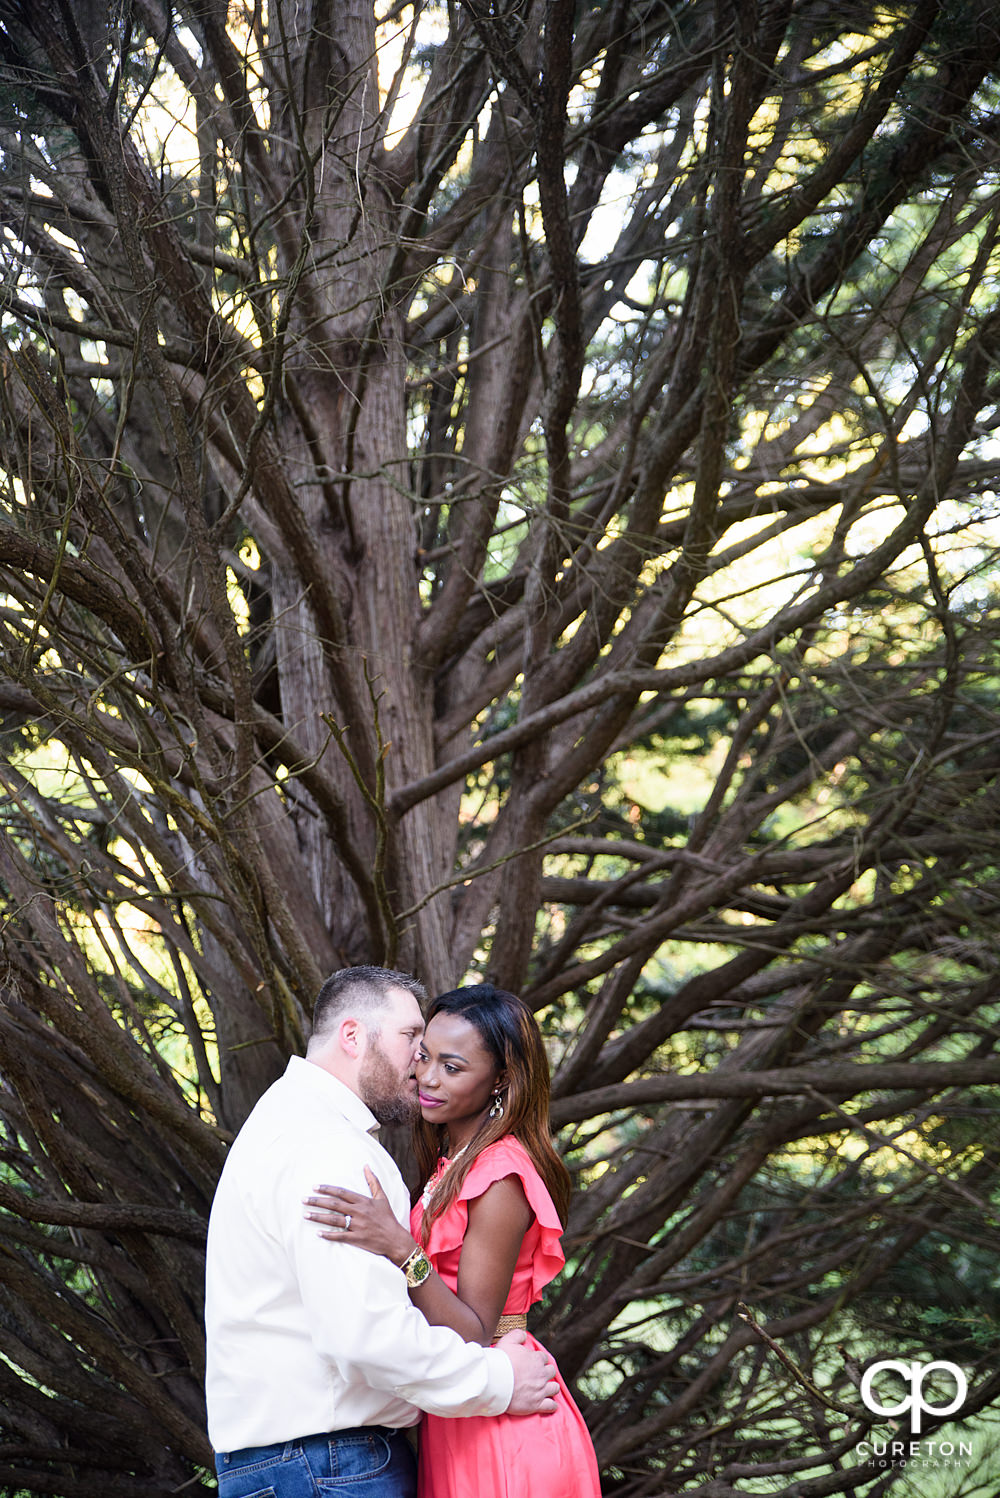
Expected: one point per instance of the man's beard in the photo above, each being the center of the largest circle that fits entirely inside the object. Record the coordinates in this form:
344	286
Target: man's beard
381	1089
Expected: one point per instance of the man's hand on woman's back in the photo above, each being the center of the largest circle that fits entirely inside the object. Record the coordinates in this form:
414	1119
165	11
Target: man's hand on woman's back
535	1385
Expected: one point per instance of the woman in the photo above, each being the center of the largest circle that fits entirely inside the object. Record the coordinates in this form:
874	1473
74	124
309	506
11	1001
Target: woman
489	1215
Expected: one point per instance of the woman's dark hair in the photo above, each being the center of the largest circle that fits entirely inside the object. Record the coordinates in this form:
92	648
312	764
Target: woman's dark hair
510	1033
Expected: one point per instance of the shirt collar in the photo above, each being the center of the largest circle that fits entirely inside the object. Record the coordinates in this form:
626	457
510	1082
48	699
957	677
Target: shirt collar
303	1073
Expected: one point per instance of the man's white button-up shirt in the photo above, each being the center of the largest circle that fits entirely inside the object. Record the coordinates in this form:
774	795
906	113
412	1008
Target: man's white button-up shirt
305	1335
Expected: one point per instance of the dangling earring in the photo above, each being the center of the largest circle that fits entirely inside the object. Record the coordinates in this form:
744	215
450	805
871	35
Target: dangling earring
497	1110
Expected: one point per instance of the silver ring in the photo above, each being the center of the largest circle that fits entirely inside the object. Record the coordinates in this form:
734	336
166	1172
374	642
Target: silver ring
347	1222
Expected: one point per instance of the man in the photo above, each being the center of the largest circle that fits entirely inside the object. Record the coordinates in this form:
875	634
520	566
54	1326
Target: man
317	1360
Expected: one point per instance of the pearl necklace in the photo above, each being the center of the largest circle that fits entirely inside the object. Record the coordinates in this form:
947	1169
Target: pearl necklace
443	1167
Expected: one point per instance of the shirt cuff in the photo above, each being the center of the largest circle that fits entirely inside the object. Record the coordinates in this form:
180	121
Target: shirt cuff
501	1375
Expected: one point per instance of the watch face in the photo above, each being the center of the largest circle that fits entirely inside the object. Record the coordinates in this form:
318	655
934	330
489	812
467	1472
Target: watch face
419	1270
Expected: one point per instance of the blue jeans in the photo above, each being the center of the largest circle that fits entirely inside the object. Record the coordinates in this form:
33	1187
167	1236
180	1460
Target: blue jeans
366	1462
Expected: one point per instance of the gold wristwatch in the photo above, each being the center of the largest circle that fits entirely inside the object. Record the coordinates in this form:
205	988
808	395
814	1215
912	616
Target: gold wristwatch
416	1268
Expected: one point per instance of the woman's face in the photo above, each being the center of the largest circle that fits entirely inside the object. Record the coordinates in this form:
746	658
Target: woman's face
456	1076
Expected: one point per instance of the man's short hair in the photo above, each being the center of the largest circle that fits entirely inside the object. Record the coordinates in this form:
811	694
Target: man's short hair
361	992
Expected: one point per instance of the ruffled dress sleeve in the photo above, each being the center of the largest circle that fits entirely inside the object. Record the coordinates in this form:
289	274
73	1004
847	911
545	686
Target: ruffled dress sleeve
541	1256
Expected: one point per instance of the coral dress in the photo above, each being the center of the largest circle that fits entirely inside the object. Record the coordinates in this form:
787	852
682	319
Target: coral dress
505	1456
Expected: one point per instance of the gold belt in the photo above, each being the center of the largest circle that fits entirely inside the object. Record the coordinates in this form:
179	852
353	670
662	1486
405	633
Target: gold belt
515	1323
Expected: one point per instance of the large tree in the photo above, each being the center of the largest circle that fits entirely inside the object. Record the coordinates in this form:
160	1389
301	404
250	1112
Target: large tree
507	489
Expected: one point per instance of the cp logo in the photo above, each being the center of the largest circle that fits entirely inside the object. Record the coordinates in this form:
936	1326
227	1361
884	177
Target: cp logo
913	1374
